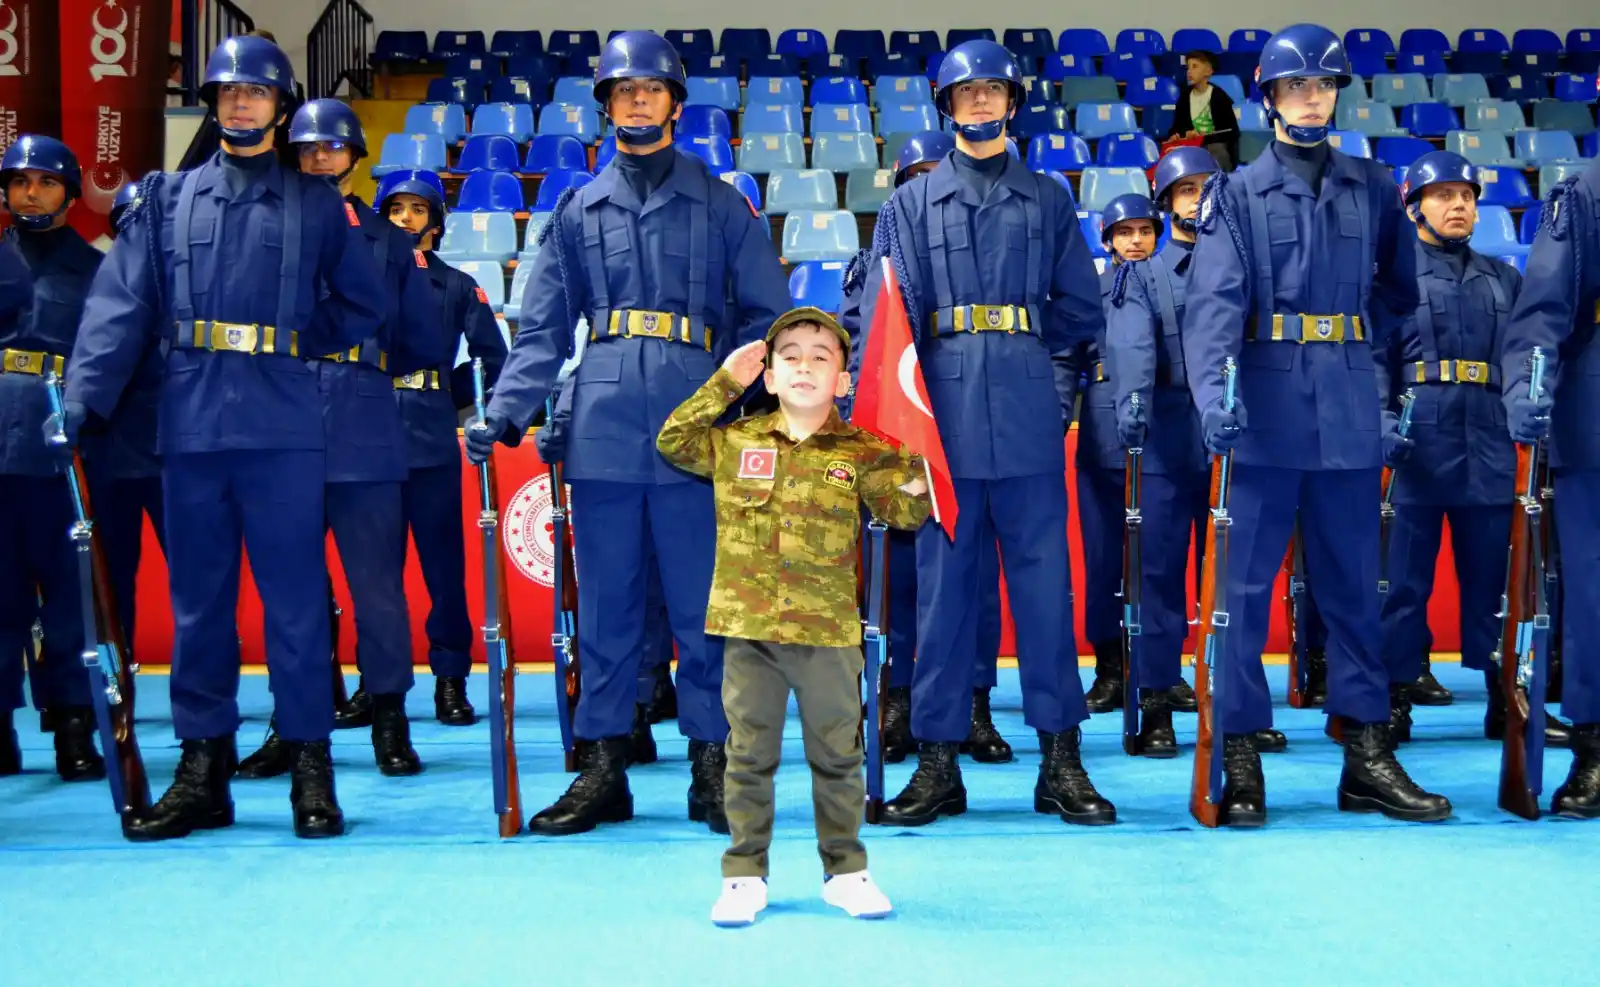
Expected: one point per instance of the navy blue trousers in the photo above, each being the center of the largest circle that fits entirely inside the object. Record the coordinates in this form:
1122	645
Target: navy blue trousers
431	501
903	610
1578	528
120	506
657	632
37	561
269	503
1478	538
369	529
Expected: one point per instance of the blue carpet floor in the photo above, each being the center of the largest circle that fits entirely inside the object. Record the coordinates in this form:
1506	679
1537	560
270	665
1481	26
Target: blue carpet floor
421	891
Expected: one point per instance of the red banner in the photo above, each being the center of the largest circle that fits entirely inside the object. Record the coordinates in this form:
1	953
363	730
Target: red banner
114	91
525	534
30	77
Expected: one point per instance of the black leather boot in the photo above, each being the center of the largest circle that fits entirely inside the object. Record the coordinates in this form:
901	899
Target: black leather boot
663	695
1556	733
708	762
897	740
199	796
984	743
47	721
1426	690
1374	781
355	713
1064	787
450	705
1316	677
1269	741
1244	789
641	743
10	749
1182	699
1156	737
316	808
76	756
1579	796
1106	693
271	761
391	737
599	793
935	788
1400	713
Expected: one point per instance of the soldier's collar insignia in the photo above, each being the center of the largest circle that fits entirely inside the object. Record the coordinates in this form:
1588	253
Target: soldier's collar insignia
840	474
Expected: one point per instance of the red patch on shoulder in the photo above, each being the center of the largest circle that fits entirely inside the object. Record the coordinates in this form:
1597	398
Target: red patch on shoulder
481	296
350	214
422	259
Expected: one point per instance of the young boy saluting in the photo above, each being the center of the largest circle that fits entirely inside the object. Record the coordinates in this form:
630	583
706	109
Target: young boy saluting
789	489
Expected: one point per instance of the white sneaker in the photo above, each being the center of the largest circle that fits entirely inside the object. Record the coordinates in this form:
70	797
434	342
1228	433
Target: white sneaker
742	899
857	894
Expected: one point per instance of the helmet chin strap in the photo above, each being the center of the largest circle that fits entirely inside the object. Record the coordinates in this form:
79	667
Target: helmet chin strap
981	133
1447	242
641	136
1300	135
38	223
244	138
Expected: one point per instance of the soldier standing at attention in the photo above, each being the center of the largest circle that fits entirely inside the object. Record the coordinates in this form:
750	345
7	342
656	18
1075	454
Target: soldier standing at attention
790	486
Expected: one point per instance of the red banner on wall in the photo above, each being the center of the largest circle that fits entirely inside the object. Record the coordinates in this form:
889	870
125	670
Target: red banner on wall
30	69
114	92
526	536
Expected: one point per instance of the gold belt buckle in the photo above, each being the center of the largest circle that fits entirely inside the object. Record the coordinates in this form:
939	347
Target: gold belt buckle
412	382
24	362
235	338
994	318
655	325
1321	328
1472	371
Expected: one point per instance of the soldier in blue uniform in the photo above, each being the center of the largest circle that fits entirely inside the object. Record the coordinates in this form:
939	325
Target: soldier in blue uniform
672	269
1464	464
919	155
1558	310
39	315
430	401
1000	290
240	423
366	453
1305	266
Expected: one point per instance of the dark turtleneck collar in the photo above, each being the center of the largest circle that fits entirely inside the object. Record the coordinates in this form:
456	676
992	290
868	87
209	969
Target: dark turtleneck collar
241	171
1454	255
1308	163
980	173
645	173
41	246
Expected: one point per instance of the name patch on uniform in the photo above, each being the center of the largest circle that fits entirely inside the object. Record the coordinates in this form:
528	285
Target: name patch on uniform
350	213
840	474
758	464
481	296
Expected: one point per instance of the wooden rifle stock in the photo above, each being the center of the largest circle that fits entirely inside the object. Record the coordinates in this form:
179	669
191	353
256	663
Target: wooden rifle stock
1294	561
1205	787
564	637
1522	648
497	641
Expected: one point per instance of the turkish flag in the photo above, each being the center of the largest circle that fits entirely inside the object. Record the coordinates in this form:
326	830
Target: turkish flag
892	401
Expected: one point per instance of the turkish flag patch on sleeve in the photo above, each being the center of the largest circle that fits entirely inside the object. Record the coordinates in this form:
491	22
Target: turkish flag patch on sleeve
481	296
758	464
350	214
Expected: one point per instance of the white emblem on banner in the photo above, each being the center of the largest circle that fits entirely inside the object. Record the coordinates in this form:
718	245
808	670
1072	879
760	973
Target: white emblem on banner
529	532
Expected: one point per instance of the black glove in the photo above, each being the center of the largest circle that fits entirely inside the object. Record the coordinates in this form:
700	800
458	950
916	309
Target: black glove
482	435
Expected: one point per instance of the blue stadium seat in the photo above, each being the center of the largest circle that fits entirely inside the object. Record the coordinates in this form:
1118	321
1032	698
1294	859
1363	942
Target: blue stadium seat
961	35
746	183
1482	39
840	118
802	43
838	92
1187	39
1368	41
1099	119
467	66
1089	89
1429	119
1536	40
699	120
513	120
830	66
1036	119
1493	114
447	120
1129	66
1481	147
867	189
914	44
1426	39
1401	88
519	284
1127	151
407	151
555	152
907	119
1252	116
744	43
466	91
1591	145
859	45
1033	42
1089	226
901	90
820	236
761	153
604	153
1085	42
1504	187
720	91
1152	92
400	46
1429	63
1575	88
577	90
844	151
579	121
774	67
1368	116
714	151
796	190
1248	39
507	44
1099	186
1401	151
555	183
577	47
819	284
490	236
1521	88
490	191
1369	63
775	90
1139	41
448	43
709	66
530	235
1058	67
1231	85
698	41
777	118
1496	233
1350	142
1574	118
521	91
1542	147
1460	89
1528	226
1583	49
1040	90
488	272
1059	152
1536	62
1552	175
488	152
